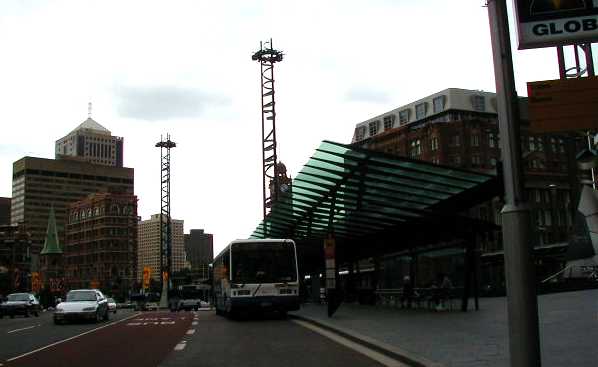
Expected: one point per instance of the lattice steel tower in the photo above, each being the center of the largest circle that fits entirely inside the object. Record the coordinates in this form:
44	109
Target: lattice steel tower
165	222
267	57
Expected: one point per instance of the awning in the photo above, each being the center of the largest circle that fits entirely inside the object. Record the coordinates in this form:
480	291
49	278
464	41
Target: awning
353	192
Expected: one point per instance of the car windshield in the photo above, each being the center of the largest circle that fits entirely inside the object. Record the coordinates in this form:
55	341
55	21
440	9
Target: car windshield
18	297
80	296
263	263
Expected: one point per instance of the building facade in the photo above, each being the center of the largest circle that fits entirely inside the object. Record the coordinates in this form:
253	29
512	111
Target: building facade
101	243
199	248
93	143
4	211
148	250
457	127
40	183
15	259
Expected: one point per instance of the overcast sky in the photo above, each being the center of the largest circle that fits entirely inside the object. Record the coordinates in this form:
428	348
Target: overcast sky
184	68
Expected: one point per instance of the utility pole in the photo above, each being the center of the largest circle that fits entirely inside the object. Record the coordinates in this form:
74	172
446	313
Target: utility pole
524	340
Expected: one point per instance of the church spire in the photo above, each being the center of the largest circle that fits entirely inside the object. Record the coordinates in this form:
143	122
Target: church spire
51	244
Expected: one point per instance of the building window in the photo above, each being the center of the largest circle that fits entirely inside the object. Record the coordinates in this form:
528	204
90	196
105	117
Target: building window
438	104
434	144
491	140
404	116
416	148
455	140
475	160
478	103
553	146
562	145
492	162
539	144
532	144
435	160
389	122
420	110
475	140
359	133
374	127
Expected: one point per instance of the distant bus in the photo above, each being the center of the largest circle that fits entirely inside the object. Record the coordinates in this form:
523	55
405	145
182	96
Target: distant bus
256	275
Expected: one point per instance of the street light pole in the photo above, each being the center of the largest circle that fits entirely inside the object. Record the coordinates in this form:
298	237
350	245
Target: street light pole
524	340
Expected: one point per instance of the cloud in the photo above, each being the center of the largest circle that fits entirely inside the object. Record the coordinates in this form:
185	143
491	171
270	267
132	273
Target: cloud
365	94
165	102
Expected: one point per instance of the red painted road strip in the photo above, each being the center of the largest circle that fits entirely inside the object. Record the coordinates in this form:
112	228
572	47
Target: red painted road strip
144	340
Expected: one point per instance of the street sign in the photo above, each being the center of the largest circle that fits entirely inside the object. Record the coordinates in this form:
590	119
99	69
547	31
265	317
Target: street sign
545	23
146	277
563	105
36	283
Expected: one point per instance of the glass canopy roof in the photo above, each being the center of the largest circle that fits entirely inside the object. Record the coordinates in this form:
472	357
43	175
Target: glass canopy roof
354	192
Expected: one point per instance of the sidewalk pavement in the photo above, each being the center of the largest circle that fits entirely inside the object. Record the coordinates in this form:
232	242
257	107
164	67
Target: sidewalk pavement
568	331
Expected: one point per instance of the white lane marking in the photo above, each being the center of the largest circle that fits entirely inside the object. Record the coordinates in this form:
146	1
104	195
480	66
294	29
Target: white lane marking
21	329
180	346
378	357
71	338
194	323
190	331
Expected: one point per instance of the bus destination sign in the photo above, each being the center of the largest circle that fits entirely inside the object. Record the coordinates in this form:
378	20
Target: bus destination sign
546	23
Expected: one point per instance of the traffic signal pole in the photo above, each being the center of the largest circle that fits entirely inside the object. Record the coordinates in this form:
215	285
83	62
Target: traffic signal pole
524	340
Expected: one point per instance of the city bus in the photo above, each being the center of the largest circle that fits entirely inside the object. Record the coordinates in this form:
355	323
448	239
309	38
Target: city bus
256	275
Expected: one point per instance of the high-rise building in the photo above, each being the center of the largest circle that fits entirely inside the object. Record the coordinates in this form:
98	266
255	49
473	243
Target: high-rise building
4	211
458	127
148	246
199	247
101	243
93	143
40	183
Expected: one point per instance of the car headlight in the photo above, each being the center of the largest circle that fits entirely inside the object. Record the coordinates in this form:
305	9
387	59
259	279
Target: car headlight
89	309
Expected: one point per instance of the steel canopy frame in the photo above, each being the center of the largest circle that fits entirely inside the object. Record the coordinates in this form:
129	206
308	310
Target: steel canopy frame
372	192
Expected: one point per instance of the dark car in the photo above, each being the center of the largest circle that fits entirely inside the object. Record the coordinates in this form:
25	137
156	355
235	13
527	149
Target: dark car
20	304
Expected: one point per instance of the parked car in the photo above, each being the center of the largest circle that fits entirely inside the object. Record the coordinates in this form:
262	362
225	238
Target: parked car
82	304
20	304
111	305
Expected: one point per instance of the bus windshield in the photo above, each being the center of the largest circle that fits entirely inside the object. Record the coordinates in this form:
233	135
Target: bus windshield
263	263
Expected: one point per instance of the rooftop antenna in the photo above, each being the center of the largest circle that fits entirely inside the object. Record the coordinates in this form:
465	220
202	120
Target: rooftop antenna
89	109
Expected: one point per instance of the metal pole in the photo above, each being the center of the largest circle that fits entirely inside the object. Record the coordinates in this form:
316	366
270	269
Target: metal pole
524	341
589	138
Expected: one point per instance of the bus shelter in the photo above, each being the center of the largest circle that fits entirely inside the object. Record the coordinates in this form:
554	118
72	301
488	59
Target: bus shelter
374	204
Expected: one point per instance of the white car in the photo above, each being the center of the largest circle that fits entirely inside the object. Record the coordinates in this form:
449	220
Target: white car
82	304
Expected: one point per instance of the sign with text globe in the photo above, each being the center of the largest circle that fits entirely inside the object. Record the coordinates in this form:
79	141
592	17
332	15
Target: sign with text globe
545	23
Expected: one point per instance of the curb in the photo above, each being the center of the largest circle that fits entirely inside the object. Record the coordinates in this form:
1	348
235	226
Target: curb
371	343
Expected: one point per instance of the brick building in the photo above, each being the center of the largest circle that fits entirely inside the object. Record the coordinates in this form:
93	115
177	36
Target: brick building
101	242
457	127
15	261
